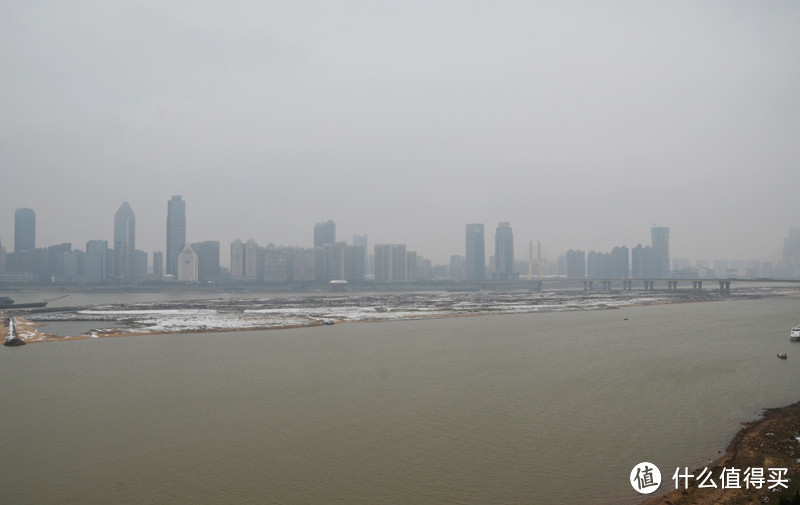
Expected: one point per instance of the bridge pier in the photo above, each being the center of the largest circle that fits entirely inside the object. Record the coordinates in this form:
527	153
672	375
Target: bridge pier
606	285
587	285
627	285
672	285
648	285
725	288
697	286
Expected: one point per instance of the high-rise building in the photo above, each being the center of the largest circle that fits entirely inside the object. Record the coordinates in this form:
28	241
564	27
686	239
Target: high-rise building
324	233
390	262
504	252
158	265
642	265
476	253
790	266
207	260
139	265
303	265
187	265
412	272
24	230
620	263
456	269
124	243
244	260
176	232
660	251
576	264
361	241
613	265
354	261
95	265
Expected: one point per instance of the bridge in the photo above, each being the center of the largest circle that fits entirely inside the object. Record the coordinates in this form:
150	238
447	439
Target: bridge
672	284
626	284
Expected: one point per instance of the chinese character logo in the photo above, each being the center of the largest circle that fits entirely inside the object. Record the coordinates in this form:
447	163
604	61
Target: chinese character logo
645	477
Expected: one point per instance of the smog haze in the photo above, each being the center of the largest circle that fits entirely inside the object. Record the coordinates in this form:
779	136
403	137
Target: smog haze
582	124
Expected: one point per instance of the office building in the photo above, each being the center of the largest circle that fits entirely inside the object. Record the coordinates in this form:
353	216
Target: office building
207	260
124	243
503	252
475	253
24	230
176	232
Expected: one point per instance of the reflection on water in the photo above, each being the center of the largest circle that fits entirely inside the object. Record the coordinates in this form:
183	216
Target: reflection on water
533	408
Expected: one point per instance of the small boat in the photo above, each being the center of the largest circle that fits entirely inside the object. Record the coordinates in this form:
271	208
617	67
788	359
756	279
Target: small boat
782	355
794	335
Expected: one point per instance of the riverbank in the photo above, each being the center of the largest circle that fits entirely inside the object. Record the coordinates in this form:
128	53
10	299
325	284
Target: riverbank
28	331
233	314
770	442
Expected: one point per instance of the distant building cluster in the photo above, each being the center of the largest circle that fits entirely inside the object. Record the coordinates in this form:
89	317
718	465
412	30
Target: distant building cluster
329	260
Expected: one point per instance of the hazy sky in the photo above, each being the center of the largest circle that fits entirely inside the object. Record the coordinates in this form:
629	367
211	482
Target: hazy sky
581	123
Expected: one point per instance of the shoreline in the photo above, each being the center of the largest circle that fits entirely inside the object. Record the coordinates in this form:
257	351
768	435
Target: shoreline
770	441
27	329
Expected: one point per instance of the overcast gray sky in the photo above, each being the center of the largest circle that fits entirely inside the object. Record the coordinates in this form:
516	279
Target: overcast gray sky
581	123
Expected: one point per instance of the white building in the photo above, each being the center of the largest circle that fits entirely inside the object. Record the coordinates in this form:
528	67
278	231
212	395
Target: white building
187	265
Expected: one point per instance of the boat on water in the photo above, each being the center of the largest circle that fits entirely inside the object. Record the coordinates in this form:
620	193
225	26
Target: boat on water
782	355
794	335
9	303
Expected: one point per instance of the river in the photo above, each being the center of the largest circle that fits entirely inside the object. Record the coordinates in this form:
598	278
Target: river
545	408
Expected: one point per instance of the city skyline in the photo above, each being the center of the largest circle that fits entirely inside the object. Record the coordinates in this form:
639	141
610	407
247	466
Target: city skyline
124	229
582	125
330	260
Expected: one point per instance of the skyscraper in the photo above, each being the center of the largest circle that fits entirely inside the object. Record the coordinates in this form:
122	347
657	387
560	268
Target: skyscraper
476	253
95	267
24	230
176	232
660	237
504	252
207	260
124	243
324	233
